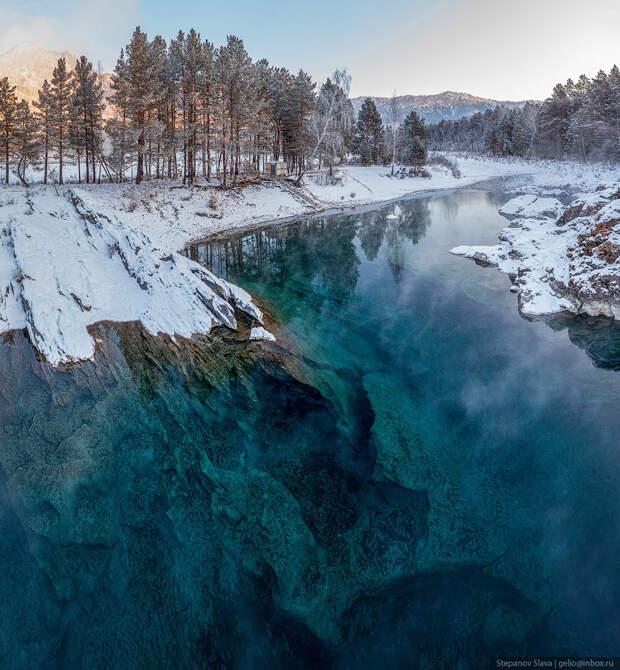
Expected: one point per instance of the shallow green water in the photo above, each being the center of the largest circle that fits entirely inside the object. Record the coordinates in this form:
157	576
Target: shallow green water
415	476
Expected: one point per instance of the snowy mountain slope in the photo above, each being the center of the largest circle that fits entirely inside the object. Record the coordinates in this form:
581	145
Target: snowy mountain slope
28	65
434	108
64	266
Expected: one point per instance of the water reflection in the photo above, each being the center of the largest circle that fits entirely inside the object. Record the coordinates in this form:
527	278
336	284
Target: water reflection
598	337
315	251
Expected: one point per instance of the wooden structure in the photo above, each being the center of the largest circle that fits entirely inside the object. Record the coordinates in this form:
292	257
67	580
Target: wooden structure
275	169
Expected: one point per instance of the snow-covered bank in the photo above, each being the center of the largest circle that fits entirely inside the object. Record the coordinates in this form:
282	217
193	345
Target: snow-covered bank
65	266
560	258
173	215
83	254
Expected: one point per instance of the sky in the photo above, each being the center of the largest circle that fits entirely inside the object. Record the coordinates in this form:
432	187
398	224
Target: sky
502	49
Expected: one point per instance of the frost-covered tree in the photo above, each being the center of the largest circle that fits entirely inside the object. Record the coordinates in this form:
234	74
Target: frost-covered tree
394	122
174	106
580	119
60	96
8	109
43	105
332	119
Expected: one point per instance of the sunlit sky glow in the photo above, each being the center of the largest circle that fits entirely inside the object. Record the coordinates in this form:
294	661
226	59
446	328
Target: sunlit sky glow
505	49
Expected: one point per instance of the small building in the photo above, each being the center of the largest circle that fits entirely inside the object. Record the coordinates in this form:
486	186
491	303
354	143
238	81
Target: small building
276	169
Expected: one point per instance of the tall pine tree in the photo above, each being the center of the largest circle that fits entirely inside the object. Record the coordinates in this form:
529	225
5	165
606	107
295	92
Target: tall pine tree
8	109
60	96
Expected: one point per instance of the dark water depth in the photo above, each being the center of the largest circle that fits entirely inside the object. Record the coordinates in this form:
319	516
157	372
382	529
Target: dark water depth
414	476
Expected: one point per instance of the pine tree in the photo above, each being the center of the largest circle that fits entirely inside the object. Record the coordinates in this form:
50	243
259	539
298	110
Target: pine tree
140	90
87	104
298	107
26	146
233	73
414	134
117	128
8	109
206	95
60	95
43	104
369	133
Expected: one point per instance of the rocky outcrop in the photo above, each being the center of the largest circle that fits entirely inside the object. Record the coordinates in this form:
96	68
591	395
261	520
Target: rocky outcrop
65	267
560	258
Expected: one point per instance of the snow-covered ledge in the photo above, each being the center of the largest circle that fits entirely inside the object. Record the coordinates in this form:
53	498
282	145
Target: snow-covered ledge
64	267
560	258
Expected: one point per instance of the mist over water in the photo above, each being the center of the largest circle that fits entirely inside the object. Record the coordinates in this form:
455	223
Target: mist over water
414	476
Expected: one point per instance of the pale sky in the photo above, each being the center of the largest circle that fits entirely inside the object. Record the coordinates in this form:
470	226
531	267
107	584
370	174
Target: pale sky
504	49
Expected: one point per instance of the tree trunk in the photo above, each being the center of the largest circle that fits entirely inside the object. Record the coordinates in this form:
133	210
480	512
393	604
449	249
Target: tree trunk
46	156
140	168
60	156
6	154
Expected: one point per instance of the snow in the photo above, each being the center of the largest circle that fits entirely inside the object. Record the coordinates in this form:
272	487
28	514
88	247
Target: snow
260	333
568	260
66	266
173	215
76	255
357	185
531	206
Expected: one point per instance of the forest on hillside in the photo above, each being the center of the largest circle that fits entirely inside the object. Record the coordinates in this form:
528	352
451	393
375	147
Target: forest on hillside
579	120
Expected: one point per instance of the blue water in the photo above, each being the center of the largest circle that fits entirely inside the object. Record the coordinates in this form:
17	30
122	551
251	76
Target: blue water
413	476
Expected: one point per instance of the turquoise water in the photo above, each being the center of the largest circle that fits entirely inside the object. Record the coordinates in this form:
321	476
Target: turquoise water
414	476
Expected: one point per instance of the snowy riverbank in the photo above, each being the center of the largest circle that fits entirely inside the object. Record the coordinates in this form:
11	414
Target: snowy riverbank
64	266
173	215
560	258
81	254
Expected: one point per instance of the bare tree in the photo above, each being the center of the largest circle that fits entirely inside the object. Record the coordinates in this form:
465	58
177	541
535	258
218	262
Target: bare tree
394	123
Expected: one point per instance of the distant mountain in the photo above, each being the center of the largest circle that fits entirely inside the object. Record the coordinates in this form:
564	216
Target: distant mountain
434	108
28	65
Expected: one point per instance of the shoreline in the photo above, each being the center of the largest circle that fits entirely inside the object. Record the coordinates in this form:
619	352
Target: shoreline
330	210
77	255
559	258
176	217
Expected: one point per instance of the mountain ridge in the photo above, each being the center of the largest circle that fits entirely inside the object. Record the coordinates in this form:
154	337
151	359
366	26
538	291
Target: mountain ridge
448	105
27	65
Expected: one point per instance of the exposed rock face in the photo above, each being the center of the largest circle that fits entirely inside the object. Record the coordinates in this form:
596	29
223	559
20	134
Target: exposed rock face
560	258
64	267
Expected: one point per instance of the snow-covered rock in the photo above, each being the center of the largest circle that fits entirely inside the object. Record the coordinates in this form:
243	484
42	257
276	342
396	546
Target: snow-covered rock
531	206
260	333
569	262
64	266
